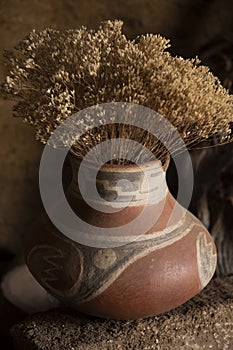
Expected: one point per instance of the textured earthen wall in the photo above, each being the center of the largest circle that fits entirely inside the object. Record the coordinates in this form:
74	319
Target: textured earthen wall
189	24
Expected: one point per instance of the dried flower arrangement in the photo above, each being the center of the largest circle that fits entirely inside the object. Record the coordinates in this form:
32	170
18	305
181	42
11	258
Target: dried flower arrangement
54	74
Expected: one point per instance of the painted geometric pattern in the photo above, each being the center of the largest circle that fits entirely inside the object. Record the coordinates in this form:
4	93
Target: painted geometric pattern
97	268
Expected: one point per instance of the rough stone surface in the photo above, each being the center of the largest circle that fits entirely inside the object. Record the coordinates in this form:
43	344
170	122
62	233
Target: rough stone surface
205	322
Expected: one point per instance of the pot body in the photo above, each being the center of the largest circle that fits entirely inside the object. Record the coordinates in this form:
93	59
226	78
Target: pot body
142	269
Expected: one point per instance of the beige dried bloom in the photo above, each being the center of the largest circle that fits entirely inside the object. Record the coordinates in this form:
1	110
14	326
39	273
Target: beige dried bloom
54	74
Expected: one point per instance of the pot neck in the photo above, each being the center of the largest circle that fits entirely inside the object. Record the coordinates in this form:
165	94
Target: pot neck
119	186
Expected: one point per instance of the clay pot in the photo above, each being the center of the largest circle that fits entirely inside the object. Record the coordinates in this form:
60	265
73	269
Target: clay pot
136	274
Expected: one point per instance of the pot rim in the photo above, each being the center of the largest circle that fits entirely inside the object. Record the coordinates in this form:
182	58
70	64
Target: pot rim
121	167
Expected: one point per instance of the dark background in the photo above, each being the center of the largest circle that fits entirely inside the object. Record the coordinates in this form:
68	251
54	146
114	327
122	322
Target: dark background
189	24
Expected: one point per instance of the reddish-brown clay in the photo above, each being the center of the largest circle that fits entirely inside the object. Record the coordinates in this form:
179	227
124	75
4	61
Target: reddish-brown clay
132	275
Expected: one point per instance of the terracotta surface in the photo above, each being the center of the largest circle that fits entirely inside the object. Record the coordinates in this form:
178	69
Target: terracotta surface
145	274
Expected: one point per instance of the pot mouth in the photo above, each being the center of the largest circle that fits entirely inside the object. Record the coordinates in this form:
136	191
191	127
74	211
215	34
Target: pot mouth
122	167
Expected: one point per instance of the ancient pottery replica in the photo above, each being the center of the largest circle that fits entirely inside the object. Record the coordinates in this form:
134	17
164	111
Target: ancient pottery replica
139	276
163	255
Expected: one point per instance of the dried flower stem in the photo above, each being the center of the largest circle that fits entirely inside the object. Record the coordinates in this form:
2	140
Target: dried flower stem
54	74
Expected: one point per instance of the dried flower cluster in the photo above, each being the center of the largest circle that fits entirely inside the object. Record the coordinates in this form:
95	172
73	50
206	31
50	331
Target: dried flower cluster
54	74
